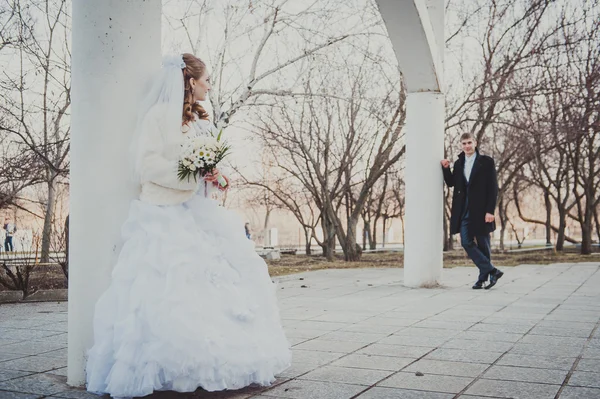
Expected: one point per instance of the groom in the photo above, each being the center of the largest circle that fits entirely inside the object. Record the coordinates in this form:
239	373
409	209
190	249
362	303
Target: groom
473	204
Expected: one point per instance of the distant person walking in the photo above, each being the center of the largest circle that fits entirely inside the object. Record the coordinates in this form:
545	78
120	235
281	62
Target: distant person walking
9	230
473	205
247	231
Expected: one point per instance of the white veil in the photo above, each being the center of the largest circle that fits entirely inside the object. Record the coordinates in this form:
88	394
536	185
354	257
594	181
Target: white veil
165	91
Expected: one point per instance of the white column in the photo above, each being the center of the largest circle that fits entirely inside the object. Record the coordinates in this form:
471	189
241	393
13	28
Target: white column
424	150
116	46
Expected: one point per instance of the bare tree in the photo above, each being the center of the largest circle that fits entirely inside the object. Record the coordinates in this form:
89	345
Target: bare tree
251	47
38	94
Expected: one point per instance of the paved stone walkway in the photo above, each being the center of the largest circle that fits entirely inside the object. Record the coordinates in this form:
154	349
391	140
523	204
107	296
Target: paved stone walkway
358	333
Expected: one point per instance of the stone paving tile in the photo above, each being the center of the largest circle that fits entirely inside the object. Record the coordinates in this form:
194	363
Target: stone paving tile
546	362
6	341
61	372
367	327
303	389
351	336
546	350
461	355
562	332
346	375
10	356
32	347
24	323
295	341
489	336
434	383
414	340
553	341
501	328
591	353
34	363
37	384
585	365
477	397
458	369
482	345
567	324
585	379
513	389
314	357
444	325
526	374
396	350
373	362
10	374
342	317
388	321
393	393
304	333
427	332
319	325
579	393
298	368
80	394
18	395
330	346
23	335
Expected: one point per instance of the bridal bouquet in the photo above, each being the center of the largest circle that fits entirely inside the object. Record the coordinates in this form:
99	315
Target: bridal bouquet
200	157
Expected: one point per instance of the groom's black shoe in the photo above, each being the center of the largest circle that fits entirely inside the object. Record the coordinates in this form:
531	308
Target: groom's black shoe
494	278
478	285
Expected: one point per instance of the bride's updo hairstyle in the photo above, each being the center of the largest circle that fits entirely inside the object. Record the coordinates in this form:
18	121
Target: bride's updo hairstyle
194	68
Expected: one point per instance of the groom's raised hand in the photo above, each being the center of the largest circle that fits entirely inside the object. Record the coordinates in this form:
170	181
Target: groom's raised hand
445	163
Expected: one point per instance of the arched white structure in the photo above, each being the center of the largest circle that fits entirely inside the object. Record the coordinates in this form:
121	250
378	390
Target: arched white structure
116	45
416	29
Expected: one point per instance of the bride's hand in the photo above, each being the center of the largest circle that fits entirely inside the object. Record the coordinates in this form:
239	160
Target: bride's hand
212	177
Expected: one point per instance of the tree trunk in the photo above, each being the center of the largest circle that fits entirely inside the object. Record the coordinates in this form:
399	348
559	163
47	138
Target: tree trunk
373	241
328	238
562	225
597	221
266	241
384	232
367	235
586	237
548	204
503	219
48	219
352	251
308	240
403	239
586	233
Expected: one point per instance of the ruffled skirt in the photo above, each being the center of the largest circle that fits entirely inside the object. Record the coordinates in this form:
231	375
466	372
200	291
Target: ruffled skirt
190	305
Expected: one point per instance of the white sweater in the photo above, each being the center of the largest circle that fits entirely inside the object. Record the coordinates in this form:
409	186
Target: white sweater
162	148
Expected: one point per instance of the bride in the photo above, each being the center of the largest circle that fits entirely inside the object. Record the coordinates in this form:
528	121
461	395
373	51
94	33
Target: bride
190	303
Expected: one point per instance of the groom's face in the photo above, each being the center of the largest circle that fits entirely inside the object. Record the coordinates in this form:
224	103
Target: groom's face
468	146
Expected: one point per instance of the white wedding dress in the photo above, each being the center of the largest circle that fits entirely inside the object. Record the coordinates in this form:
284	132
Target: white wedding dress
190	305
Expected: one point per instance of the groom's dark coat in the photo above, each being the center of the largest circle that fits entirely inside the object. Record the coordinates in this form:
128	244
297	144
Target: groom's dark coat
482	191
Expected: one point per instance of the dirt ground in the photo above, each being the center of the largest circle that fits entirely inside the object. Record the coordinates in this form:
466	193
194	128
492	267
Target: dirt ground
289	264
53	277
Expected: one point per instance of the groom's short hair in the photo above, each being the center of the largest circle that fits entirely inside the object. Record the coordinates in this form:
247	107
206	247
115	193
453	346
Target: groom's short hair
467	136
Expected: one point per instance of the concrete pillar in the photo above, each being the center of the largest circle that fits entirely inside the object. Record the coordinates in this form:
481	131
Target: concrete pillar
424	206
116	47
